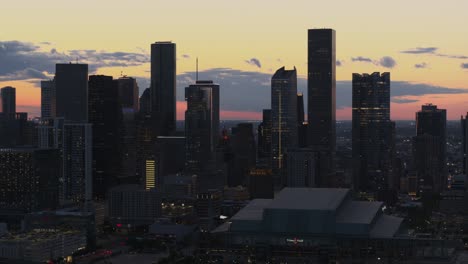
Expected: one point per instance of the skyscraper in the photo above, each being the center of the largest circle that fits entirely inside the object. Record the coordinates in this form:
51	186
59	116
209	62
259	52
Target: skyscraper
301	125
71	86
243	148
201	124
163	87
464	126
48	99
301	167
430	150
283	118
321	98
372	132
8	95
264	139
105	115
128	93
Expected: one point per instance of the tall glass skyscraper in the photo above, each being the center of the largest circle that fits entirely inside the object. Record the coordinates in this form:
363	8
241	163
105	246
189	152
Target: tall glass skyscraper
201	124
372	132
8	95
321	99
163	87
464	126
71	87
284	129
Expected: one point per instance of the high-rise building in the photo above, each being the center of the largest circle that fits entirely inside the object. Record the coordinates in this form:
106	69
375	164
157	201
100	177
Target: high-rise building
29	178
163	87
464	126
264	139
201	124
430	149
128	93
372	132
301	167
71	87
321	99
105	115
145	102
244	154
48	99
260	183
77	163
8	95
283	119
301	124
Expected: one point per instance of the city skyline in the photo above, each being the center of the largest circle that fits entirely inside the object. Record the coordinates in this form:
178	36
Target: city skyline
425	55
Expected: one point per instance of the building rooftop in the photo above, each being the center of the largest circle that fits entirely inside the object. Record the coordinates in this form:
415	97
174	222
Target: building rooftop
253	211
358	212
309	198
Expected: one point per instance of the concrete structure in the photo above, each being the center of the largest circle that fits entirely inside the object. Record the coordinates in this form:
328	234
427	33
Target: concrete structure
71	87
301	168
131	205
48	99
8	96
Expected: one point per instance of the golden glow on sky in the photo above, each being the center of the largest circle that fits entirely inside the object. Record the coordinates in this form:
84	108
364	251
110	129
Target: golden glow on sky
226	33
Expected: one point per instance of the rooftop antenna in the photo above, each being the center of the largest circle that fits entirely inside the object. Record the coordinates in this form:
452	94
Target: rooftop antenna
197	71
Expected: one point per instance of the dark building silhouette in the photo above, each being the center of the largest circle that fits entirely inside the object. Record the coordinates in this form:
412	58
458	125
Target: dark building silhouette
170	151
201	124
430	149
283	119
244	154
163	87
30	180
264	139
128	97
301	124
48	99
260	183
71	87
8	95
16	130
145	102
321	99
464	126
301	167
105	115
372	132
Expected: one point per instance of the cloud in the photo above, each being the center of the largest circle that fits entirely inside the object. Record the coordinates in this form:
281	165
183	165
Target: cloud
254	62
24	59
422	65
420	50
461	57
25	74
464	65
399	100
339	63
387	62
361	59
185	56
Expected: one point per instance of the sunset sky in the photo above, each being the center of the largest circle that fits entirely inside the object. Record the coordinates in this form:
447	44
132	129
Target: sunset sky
424	44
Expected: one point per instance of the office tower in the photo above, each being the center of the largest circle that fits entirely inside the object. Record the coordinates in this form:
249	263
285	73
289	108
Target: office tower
8	95
321	99
130	205
128	93
301	167
244	155
201	124
208	208
29	178
430	150
48	99
77	163
264	139
283	119
372	132
105	116
301	124
71	88
170	151
15	130
260	183
163	87
145	102
464	126
50	133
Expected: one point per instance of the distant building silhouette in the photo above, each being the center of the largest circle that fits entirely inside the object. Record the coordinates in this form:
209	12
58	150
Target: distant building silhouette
283	119
244	153
48	99
301	167
201	124
430	149
8	95
372	133
321	99
163	87
301	124
71	86
264	139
